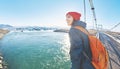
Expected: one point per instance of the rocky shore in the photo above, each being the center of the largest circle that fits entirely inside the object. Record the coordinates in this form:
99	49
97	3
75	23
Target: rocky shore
3	65
62	30
2	33
91	31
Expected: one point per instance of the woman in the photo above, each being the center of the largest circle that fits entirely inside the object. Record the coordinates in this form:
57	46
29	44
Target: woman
80	52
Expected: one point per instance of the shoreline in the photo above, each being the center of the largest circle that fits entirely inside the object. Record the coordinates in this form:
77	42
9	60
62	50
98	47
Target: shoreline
2	62
3	33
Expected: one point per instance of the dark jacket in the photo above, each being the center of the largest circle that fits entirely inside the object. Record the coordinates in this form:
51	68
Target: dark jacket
79	44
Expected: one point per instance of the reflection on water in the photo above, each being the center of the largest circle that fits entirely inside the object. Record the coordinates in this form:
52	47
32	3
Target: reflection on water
36	50
65	47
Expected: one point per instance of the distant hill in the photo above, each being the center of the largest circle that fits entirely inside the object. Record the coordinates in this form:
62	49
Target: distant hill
29	28
4	26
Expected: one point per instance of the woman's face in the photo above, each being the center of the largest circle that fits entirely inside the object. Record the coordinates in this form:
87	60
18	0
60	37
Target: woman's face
69	19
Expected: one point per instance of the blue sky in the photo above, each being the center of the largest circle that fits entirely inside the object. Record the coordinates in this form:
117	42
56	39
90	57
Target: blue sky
52	12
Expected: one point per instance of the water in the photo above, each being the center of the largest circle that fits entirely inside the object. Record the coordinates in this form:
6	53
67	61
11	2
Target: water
36	50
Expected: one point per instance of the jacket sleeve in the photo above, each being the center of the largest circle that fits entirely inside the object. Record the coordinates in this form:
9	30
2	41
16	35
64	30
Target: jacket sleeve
76	48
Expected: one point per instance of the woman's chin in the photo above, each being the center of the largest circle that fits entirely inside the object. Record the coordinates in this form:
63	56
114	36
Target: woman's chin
69	24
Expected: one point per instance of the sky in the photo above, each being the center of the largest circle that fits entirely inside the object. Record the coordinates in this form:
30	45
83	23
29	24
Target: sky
52	12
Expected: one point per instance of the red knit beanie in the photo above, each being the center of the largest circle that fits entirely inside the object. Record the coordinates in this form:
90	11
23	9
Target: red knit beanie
75	15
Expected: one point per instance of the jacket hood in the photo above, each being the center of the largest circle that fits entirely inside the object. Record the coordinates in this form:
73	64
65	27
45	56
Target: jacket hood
79	23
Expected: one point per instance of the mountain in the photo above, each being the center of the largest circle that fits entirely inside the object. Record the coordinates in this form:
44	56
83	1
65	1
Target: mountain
25	28
5	26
